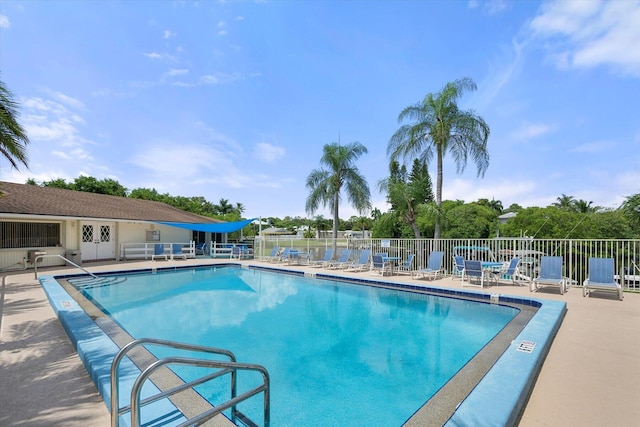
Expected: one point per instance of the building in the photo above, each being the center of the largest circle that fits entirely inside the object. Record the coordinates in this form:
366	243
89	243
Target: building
89	226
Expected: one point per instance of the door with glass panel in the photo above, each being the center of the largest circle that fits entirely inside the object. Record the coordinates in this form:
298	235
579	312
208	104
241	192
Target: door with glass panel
97	241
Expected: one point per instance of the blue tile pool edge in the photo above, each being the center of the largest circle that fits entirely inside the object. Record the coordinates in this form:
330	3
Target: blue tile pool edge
508	384
96	351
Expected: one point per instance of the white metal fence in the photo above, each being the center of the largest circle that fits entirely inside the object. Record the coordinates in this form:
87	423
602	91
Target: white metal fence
575	253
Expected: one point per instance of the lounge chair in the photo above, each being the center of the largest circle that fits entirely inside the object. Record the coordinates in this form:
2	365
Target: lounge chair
473	271
238	252
328	256
379	266
406	267
341	262
434	267
511	272
201	249
158	251
550	274
458	265
362	263
176	251
285	256
273	256
601	278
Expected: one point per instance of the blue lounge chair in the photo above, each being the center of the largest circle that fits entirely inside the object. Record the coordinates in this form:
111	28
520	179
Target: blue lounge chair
601	278
458	265
176	251
362	263
379	266
511	272
473	271
158	251
550	274
285	255
341	262
238	252
406	267
328	256
434	266
201	249
273	256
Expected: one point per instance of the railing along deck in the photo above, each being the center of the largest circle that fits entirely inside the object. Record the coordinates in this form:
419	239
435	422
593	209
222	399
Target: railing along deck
575	252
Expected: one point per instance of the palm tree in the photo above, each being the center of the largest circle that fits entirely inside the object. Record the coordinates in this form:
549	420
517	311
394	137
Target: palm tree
13	138
340	173
440	127
631	209
564	202
582	206
239	208
224	207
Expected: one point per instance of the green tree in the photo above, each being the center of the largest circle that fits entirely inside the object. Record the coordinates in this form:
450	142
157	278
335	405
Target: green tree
386	226
341	173
439	127
239	208
494	204
13	137
470	221
58	183
631	210
564	202
223	207
108	186
582	206
88	184
513	207
405	193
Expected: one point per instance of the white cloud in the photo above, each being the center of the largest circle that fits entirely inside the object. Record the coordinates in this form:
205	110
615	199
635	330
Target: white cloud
48	120
490	7
594	147
4	21
176	72
168	34
218	78
267	152
591	33
160	56
531	131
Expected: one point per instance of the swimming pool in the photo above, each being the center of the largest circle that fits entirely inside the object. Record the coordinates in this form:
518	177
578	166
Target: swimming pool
376	355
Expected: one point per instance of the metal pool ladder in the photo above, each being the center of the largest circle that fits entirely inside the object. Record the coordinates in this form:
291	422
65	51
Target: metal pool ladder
223	367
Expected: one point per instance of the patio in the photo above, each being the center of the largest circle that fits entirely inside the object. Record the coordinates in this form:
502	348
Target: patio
590	377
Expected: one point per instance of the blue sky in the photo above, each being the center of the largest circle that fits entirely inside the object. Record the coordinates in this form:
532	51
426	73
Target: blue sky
235	99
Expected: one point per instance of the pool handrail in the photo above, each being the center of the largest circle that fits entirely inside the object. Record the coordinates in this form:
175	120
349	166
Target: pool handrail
39	257
229	367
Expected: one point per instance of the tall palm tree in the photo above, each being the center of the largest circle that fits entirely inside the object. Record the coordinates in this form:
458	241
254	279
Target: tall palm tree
13	138
439	127
325	185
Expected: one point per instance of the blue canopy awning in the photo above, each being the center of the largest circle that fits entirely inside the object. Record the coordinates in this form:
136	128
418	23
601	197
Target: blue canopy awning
222	227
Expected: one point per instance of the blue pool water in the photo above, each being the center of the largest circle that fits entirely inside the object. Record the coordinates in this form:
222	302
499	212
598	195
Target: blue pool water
337	354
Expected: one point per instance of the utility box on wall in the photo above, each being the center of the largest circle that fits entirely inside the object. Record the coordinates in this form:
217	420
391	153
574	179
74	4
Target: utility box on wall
74	256
33	254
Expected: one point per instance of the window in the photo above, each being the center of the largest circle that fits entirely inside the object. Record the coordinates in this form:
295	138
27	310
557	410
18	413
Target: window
29	234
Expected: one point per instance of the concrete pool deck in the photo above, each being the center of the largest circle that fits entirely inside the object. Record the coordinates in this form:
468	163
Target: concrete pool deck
591	376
